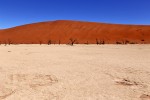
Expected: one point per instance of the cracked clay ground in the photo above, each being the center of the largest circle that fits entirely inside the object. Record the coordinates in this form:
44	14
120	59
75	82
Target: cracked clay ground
80	72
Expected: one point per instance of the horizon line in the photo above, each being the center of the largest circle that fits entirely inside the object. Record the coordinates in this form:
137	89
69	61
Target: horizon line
36	22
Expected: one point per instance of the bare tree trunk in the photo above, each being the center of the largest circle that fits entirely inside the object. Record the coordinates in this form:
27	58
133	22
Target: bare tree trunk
118	42
59	42
103	42
49	42
9	42
72	41
87	43
40	42
97	42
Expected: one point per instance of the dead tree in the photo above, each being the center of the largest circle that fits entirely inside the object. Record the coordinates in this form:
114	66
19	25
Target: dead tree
118	42
127	42
49	42
97	42
72	41
87	42
103	42
59	42
9	42
40	42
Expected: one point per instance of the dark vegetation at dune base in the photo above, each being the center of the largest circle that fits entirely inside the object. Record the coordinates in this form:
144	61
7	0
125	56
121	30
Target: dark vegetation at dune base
75	32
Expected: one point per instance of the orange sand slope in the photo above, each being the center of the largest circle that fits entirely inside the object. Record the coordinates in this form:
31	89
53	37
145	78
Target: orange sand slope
62	31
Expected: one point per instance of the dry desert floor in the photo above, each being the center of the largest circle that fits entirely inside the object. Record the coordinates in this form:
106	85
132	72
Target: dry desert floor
79	72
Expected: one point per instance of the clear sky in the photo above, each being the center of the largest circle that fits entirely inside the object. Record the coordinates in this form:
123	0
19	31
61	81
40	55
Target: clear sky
19	12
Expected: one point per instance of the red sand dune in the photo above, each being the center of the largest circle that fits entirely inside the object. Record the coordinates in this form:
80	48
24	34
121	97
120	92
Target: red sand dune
62	31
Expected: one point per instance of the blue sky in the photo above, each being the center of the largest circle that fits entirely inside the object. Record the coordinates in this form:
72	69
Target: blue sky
19	12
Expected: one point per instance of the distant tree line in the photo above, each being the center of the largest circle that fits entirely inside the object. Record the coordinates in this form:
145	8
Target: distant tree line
73	41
